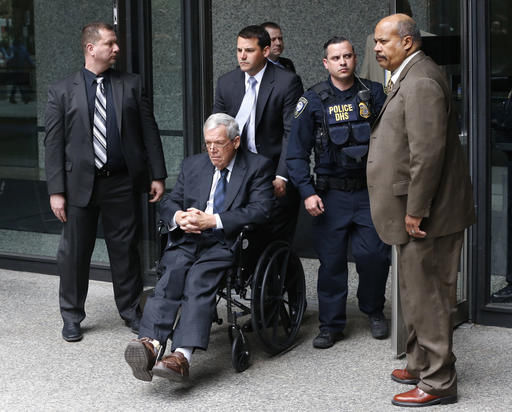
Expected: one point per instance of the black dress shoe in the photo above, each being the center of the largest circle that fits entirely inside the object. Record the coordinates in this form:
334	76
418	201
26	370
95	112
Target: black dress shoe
71	332
379	325
503	295
326	339
133	324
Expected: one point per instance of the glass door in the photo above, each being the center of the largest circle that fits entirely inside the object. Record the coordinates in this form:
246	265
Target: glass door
495	296
39	44
444	39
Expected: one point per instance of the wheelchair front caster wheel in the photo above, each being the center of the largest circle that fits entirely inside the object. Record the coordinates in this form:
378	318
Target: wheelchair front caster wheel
240	352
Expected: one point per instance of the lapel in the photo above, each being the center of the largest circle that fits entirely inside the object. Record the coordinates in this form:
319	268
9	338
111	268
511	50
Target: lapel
238	89
205	184
396	86
117	93
80	100
236	179
266	86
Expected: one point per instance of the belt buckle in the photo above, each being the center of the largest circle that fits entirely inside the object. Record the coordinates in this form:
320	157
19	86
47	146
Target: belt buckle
103	172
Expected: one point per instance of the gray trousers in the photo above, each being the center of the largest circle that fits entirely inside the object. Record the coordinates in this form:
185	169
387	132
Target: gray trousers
192	272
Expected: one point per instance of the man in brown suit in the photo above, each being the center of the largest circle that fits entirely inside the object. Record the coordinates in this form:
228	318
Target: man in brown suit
421	201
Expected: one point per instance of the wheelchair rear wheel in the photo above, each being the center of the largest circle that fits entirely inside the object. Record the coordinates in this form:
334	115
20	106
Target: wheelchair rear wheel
278	297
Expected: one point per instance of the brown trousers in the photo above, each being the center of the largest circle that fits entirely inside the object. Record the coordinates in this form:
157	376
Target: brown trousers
428	292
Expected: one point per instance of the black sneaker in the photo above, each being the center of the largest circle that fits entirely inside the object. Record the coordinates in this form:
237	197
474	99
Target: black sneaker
379	325
503	295
326	339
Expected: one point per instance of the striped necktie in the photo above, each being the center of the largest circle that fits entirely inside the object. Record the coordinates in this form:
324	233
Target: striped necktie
389	86
99	130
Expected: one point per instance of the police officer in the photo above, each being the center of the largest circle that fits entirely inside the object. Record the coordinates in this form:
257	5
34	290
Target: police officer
334	118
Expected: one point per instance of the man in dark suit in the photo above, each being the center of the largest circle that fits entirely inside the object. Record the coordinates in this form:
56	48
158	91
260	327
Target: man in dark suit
277	46
102	149
216	194
421	200
274	92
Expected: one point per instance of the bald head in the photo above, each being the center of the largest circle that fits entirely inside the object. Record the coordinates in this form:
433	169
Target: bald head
396	37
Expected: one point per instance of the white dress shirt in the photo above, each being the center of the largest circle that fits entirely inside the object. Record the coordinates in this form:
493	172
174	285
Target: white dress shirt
209	203
396	74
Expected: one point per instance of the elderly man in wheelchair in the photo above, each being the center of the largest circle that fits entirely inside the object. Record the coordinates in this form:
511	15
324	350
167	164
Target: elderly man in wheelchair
218	196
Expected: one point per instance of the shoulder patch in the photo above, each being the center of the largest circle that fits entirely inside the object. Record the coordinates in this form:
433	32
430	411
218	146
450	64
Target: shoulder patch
301	105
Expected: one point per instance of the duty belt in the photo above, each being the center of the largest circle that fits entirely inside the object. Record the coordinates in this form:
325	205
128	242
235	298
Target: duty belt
346	184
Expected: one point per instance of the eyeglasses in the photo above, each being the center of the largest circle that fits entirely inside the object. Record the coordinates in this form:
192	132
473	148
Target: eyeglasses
216	146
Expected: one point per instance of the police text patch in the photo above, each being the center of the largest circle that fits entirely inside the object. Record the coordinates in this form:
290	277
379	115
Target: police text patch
301	105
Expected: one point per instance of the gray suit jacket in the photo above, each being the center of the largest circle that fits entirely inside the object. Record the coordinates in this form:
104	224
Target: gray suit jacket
416	164
69	153
279	92
249	193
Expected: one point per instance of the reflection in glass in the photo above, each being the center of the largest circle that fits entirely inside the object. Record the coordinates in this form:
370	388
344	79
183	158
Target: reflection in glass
167	82
500	20
39	44
440	25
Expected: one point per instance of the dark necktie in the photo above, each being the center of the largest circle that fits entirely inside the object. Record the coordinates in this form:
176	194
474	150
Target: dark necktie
99	130
220	192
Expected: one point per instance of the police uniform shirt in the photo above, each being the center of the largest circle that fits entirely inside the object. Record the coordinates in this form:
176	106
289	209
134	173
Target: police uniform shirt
309	113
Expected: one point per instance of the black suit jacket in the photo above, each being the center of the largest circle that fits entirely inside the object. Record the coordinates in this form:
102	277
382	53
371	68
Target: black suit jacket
277	97
69	153
249	193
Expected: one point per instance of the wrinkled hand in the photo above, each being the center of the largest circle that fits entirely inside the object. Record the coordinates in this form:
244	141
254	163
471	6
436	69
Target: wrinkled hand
58	205
195	221
314	205
412	226
279	187
156	191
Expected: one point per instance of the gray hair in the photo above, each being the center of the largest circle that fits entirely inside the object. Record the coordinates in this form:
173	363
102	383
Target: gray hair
222	119
408	27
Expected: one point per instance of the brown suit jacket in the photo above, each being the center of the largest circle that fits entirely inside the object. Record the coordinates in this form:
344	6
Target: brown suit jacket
416	164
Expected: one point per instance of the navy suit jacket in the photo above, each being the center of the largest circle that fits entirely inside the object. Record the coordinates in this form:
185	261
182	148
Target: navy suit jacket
287	63
278	94
249	193
69	153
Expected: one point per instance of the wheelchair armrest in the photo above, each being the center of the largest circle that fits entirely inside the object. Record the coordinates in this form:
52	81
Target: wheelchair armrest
162	228
249	228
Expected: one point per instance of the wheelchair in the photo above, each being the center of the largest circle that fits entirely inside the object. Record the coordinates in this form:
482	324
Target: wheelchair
266	282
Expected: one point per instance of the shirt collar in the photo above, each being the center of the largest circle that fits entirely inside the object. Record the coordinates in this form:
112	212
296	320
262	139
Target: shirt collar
258	76
90	77
229	166
346	93
396	74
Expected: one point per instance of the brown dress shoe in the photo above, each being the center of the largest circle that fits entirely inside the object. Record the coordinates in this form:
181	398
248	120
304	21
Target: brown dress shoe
416	397
140	354
403	376
174	367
